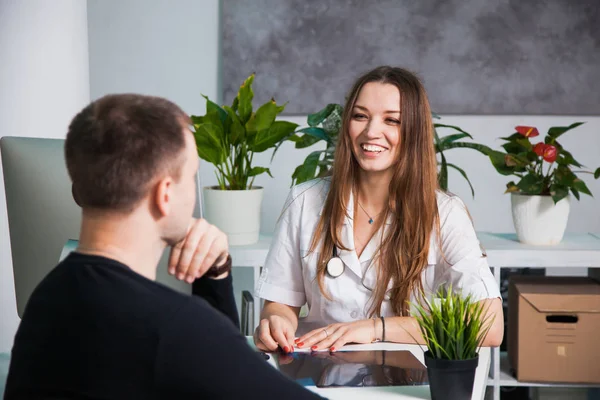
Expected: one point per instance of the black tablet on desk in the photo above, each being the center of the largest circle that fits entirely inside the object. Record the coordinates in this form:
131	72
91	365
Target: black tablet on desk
354	368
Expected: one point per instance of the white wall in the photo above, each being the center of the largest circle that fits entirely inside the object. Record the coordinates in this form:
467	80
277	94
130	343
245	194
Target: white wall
490	208
173	51
44	82
161	48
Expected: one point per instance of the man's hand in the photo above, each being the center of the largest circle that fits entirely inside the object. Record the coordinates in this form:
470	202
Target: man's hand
203	245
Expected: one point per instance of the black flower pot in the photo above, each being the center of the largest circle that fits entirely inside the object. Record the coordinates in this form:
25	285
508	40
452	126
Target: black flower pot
451	379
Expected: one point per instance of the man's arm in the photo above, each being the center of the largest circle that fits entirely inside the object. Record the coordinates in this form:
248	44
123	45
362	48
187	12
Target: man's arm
218	292
193	260
203	356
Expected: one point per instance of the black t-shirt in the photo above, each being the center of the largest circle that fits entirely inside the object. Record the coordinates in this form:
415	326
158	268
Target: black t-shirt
95	329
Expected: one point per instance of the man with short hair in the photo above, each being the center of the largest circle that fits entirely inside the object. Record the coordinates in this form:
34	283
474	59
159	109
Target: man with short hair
99	326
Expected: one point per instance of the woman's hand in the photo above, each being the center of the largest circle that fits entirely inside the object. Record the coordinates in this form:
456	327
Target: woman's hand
334	336
275	331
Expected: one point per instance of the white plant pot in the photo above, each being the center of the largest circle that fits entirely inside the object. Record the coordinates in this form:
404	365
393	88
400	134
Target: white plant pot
235	212
538	221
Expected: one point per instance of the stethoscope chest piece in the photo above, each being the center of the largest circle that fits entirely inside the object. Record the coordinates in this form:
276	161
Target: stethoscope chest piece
335	267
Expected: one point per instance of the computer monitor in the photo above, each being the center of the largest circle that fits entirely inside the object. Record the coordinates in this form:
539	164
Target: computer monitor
42	215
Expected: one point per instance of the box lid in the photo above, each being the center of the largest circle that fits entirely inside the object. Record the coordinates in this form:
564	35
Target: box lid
561	294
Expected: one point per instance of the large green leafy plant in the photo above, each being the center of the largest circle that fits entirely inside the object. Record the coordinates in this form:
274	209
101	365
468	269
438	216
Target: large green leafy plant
326	124
453	326
544	168
228	137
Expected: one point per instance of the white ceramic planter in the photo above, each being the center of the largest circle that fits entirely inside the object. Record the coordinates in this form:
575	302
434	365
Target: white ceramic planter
235	212
538	221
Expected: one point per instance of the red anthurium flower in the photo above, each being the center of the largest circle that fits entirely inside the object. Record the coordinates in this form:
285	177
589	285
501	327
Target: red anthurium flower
550	153
539	148
527	131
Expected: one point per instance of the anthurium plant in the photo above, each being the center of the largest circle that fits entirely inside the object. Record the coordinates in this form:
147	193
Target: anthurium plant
228	137
325	125
543	168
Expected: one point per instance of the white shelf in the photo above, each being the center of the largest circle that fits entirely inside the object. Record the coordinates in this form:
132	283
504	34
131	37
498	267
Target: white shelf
575	251
506	378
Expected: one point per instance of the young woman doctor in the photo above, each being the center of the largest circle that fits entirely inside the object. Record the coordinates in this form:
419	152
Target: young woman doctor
359	246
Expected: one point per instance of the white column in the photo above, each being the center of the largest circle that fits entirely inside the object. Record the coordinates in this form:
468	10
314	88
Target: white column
44	81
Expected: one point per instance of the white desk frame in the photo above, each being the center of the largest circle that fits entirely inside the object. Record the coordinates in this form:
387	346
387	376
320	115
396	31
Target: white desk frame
503	251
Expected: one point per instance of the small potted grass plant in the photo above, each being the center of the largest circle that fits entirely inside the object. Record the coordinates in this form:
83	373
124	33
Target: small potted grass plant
454	328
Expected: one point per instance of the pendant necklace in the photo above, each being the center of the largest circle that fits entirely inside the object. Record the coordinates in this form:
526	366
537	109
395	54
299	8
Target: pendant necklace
371	219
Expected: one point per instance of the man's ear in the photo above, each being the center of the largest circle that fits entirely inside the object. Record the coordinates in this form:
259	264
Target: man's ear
75	196
163	196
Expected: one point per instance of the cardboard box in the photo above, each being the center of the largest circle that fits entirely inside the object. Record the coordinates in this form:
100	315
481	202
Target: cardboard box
554	329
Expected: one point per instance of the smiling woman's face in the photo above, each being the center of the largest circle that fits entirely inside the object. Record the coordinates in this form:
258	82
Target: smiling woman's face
375	127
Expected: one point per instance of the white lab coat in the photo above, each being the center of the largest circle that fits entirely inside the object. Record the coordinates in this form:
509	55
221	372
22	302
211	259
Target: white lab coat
289	274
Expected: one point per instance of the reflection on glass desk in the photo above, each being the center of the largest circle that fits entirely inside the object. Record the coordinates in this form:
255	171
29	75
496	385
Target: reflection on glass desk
392	392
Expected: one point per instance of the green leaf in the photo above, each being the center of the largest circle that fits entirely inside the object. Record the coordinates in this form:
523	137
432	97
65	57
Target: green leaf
453	138
259	170
464	174
237	133
516	160
566	158
575	193
269	138
483	149
318	117
211	117
306	141
556	131
214	108
525	143
564	176
517	146
497	159
512	147
558	192
581	187
264	117
513	137
530	184
208	143
307	170
443	173
318	133
597	173
456	128
244	97
511	187
435	115
333	123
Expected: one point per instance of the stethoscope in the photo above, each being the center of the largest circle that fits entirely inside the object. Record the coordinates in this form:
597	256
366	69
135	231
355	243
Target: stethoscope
335	266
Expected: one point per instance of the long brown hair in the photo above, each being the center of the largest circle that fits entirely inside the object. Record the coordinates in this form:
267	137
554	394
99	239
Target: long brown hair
402	254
